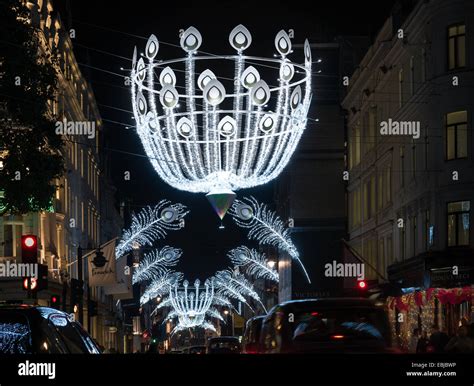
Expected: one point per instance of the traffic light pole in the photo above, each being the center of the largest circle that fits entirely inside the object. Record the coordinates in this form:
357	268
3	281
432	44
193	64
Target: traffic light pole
80	278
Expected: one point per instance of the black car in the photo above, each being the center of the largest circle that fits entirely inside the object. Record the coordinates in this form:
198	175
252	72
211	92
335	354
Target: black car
250	344
343	325
28	329
224	345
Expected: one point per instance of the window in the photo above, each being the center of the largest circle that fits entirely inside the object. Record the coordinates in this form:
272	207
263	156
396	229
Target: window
368	126
456	135
458	223
388	185
354	146
384	187
355	208
456	46
12	240
369	198
402	166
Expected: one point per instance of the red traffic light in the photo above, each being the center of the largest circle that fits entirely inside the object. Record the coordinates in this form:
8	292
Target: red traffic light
29	249
54	299
362	284
29	241
33	283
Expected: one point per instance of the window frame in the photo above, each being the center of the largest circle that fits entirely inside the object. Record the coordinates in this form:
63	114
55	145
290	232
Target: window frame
457	214
455	125
456	47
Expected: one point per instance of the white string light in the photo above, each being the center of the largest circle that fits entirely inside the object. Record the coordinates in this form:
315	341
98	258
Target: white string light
156	263
151	224
265	226
254	263
231	141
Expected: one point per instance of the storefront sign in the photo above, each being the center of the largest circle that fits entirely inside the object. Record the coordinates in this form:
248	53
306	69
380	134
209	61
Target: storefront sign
446	277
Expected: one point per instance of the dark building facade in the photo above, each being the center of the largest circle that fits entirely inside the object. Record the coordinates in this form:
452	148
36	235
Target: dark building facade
310	193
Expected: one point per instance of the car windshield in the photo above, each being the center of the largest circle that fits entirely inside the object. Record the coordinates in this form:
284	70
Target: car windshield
15	334
354	323
76	340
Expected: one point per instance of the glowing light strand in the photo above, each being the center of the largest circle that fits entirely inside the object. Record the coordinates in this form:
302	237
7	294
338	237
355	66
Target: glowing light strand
220	144
160	285
156	263
150	224
253	262
264	226
235	286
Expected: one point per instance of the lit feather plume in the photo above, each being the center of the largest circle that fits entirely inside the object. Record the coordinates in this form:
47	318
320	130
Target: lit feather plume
235	286
253	263
208	326
151	224
155	263
214	313
160	285
264	226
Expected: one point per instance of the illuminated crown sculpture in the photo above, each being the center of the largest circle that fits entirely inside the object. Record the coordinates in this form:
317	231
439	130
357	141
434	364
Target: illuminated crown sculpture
191	306
202	136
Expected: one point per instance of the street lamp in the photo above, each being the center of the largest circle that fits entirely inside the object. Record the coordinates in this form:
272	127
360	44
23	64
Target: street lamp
271	263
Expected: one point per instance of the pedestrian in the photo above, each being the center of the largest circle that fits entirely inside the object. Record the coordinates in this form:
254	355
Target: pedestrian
461	343
438	339
414	340
422	343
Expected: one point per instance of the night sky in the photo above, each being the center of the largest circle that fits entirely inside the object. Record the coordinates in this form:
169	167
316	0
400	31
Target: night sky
107	31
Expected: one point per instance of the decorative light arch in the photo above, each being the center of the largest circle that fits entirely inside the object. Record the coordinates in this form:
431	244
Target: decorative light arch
209	139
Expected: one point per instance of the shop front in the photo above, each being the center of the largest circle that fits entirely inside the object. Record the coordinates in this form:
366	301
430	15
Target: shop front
432	295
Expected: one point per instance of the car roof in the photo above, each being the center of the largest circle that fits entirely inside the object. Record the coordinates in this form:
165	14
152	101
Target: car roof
324	303
31	309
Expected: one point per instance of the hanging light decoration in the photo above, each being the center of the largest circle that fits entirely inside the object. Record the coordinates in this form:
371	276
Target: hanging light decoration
191	307
219	138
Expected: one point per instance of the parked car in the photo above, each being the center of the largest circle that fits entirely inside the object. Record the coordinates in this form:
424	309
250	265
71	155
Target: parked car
251	339
26	329
346	325
224	345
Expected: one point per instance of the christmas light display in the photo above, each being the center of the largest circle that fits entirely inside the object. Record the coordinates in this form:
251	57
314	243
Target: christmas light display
216	139
191	306
160	285
265	226
235	286
156	263
253	262
151	224
14	338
